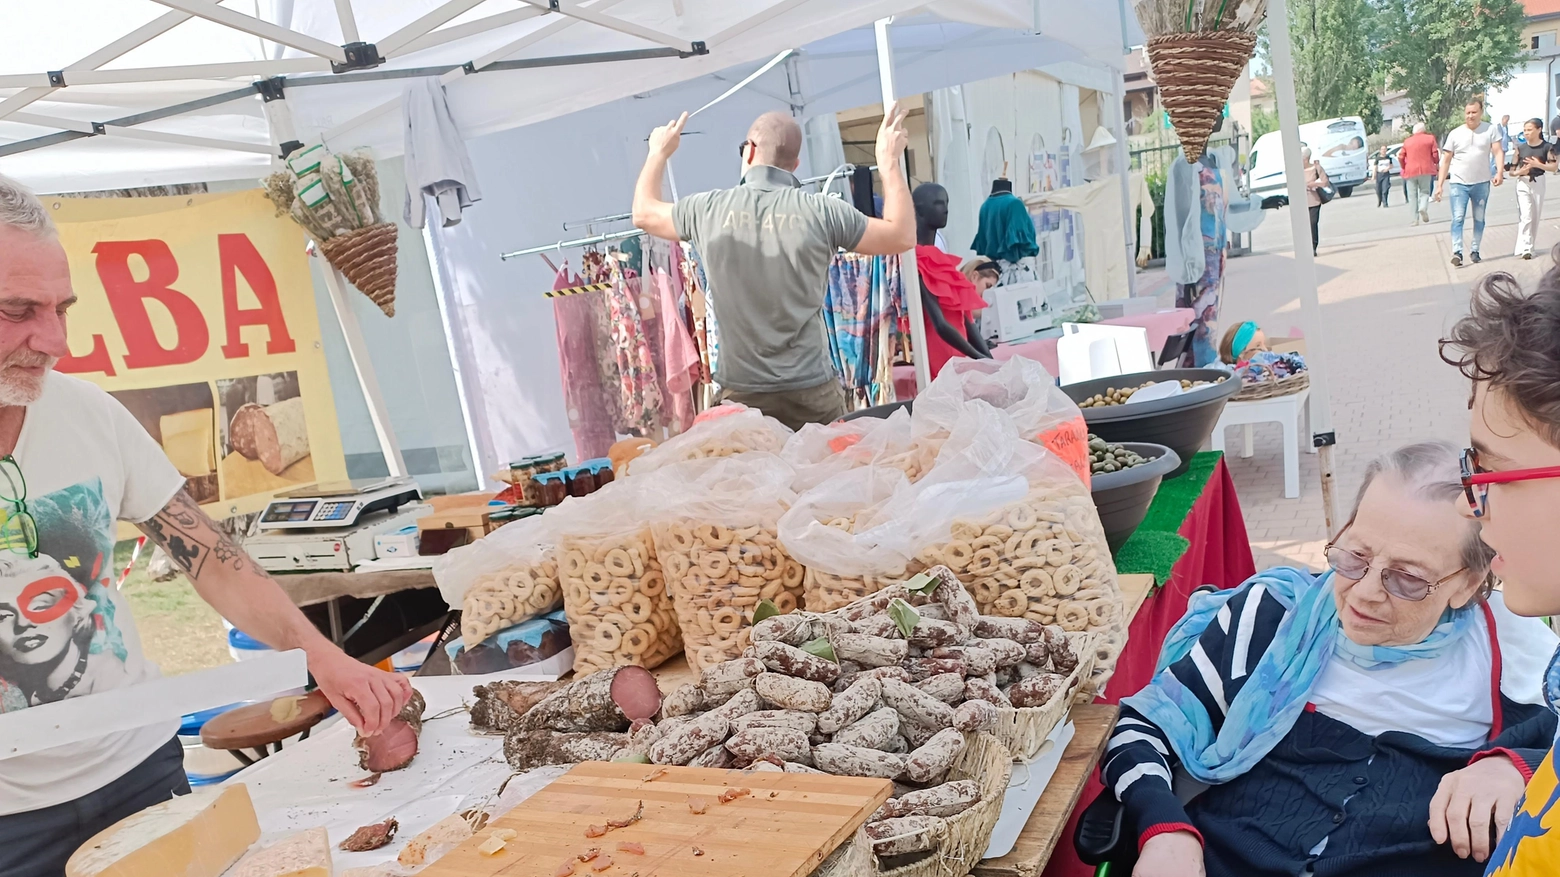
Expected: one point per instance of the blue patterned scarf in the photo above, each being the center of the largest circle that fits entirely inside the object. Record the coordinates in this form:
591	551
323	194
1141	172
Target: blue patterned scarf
1282	680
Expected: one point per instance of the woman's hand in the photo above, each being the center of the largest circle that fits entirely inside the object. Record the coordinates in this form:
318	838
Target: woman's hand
1172	854
1470	800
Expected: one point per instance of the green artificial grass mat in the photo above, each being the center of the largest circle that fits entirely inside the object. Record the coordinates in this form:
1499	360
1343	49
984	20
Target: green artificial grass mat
1156	545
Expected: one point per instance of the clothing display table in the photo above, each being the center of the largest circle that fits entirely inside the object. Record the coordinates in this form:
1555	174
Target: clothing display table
1193	535
1160	325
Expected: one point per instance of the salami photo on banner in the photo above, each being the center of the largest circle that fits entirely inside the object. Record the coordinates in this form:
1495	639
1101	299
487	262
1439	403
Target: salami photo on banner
197	312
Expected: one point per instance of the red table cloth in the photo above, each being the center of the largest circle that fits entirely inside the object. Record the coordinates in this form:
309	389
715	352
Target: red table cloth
1219	554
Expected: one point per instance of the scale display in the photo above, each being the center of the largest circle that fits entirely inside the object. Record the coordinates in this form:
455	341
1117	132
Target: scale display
327	506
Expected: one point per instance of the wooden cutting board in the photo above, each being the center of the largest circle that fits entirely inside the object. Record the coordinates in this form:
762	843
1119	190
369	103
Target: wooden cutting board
785	828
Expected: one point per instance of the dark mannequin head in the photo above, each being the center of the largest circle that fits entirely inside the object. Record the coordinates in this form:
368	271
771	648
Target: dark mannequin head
931	211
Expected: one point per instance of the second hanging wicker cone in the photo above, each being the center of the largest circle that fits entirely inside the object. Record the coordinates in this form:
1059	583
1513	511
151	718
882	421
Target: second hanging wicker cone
1194	72
366	256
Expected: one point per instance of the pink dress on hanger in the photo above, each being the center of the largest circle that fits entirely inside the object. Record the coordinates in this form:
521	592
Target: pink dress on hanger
584	395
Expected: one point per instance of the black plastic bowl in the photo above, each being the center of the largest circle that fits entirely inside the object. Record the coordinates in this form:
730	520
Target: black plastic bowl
1123	497
1181	423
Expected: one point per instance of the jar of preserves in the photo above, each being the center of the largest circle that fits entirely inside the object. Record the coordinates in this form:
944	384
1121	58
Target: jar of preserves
552	487
582	481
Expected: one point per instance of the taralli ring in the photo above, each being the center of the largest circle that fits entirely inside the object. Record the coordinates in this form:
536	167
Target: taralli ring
1011	604
635	642
1073	616
714	564
618	563
596	576
713	535
1021	517
727	620
964	531
985	591
984	561
793	574
638	609
679	538
1067	580
652	584
786	602
574	563
1037	582
620	591
607	638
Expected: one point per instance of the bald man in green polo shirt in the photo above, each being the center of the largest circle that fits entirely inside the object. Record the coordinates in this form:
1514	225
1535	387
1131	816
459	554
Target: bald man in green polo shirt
766	246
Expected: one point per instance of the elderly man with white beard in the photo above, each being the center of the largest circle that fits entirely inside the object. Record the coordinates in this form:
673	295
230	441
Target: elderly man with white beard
72	462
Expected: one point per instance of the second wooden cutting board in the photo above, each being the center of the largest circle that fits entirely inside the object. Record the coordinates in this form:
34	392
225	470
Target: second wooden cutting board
785	827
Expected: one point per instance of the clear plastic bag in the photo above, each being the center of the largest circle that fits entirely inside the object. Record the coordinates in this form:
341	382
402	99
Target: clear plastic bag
820	452
717	546
1020	388
722	431
502	579
614	592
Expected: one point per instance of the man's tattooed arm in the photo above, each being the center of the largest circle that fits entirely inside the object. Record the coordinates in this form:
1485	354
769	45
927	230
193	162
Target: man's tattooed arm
194	541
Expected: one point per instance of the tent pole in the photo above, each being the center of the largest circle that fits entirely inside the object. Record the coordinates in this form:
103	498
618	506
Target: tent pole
909	277
1322	436
363	365
1124	169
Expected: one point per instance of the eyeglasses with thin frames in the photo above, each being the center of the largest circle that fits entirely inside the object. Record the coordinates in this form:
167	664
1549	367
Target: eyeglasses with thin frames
1476	480
19	532
1404	585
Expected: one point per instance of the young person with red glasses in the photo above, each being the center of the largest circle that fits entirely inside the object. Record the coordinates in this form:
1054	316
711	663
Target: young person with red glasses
1509	346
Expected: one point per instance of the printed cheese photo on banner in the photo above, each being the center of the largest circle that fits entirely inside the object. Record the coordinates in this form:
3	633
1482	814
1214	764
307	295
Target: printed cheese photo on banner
265	436
181	418
58	634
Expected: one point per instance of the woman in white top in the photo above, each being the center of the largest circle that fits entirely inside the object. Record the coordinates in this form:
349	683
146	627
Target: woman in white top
1533	157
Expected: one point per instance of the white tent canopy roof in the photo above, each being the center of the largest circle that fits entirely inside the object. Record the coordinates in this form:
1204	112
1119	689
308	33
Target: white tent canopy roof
119	59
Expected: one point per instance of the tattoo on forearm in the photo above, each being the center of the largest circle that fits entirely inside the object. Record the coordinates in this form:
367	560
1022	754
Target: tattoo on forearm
192	539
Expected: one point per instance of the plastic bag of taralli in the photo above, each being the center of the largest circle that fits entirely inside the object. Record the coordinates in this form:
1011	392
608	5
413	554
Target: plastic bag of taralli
1019	387
614	592
718	549
1041	554
819	452
503	578
722	431
866	528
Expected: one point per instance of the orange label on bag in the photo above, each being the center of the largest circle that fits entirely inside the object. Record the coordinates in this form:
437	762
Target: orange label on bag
1070	442
841	442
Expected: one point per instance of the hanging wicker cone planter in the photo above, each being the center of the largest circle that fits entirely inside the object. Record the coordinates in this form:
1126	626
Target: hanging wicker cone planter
366	256
1194	72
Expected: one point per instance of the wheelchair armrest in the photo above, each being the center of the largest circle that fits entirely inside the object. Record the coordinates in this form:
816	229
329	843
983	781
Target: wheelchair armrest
1099	836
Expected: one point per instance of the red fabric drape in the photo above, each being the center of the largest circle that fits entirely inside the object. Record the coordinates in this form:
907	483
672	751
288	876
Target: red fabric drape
1219	554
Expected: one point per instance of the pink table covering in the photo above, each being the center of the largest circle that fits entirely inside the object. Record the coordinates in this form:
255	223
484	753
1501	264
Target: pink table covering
1160	325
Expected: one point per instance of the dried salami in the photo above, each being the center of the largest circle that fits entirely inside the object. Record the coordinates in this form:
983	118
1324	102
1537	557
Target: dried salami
916	706
785	744
921	669
721	681
946	687
948	799
930	633
500	704
796	720
842	760
870	651
792	661
686	743
788	692
907	834
877	625
791	629
276	435
608	700
685	700
527	749
1008	652
976	715
978	660
955	600
1038	653
872	731
717	756
742	703
1020	630
1036	690
850	705
794	767
932	760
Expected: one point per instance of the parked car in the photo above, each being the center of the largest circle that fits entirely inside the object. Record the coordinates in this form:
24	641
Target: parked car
1339	144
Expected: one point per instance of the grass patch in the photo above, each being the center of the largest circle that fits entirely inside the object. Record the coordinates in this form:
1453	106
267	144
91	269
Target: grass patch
179	631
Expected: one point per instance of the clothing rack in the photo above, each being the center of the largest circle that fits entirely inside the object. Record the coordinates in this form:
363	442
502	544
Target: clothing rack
632	233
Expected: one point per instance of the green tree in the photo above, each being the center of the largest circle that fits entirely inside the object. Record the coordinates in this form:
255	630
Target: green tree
1262	122
1333	43
1446	52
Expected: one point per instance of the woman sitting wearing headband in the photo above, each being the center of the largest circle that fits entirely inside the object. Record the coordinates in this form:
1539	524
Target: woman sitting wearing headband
1379	719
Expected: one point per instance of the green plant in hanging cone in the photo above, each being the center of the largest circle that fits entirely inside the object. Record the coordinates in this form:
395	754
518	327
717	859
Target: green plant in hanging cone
1197	49
336	200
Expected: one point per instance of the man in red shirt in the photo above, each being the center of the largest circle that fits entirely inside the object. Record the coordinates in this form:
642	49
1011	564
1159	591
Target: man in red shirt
1420	158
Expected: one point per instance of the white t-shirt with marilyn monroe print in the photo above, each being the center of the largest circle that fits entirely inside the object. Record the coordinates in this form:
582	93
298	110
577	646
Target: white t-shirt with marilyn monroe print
65	630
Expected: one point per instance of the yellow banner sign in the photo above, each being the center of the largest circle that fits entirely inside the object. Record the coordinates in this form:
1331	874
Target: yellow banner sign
197	312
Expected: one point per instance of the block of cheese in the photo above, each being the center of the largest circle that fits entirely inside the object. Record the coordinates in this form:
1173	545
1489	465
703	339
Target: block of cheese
305	854
188	438
197	835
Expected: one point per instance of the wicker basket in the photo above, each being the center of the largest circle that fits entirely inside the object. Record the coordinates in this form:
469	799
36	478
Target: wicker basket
853	858
1023	731
366	256
1273	387
986	761
1194	72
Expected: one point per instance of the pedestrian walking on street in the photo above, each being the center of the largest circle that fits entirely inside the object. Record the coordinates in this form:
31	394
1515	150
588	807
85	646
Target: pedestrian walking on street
1466	160
1535	158
1318	191
1381	170
1419	158
1503	131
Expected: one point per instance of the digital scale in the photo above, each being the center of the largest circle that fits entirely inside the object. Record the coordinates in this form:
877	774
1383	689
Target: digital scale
332	526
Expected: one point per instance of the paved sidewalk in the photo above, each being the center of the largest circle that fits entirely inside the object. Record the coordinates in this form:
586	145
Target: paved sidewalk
1388	293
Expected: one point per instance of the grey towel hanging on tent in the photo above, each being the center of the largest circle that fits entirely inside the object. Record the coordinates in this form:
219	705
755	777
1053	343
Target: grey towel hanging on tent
436	161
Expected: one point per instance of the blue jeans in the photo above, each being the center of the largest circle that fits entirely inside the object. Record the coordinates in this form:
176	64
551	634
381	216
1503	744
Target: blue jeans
1478	194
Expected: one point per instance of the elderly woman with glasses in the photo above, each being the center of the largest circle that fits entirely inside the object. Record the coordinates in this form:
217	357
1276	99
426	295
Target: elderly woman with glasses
1379	719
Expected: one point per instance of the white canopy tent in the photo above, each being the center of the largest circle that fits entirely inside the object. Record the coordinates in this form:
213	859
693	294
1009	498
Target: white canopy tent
103	94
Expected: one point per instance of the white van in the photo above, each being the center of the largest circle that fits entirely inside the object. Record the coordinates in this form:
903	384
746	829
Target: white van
1339	144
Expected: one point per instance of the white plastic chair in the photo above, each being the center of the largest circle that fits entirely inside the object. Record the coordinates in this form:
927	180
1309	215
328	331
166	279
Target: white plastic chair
1287	412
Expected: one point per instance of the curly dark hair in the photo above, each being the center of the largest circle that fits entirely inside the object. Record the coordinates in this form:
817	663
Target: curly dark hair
1510	341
